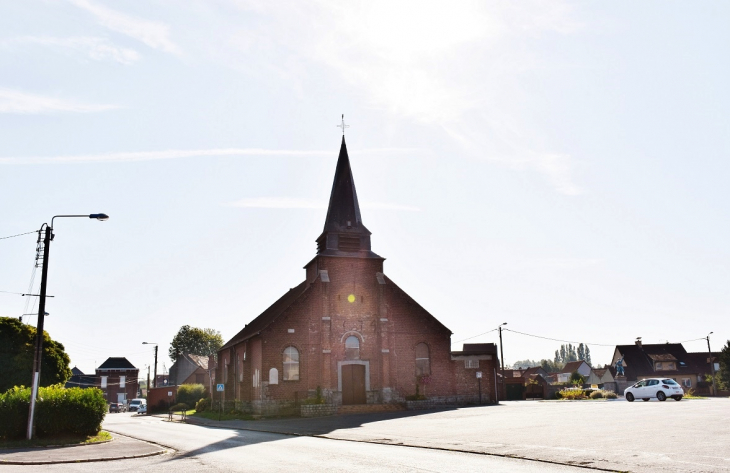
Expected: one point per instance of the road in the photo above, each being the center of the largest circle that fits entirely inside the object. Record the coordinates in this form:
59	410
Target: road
201	448
688	436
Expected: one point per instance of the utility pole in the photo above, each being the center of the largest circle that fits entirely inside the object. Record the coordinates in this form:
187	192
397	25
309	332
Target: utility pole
501	356
38	356
156	346
148	381
712	365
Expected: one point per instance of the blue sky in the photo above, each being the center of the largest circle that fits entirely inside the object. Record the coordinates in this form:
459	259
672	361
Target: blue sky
560	166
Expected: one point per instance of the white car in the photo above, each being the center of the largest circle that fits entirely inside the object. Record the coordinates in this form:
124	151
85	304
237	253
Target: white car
660	388
142	409
134	404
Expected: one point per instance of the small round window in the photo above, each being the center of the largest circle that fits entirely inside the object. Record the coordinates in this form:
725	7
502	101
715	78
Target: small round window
352	348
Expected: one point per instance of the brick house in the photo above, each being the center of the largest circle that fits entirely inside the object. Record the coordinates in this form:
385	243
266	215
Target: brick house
190	369
118	379
349	330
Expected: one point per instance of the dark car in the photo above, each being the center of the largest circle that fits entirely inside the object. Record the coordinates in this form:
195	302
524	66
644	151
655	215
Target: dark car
114	407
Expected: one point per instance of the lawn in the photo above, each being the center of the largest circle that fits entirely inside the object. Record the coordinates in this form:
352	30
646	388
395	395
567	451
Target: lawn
102	436
213	415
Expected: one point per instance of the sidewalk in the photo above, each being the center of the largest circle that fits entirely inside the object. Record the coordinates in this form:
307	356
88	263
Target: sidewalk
120	448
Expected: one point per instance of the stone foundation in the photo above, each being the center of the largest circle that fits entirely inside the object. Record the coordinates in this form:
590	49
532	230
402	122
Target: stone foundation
318	410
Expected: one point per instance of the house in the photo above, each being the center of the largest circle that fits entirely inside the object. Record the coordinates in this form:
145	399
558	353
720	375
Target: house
563	376
349	331
190	369
671	360
80	380
118	379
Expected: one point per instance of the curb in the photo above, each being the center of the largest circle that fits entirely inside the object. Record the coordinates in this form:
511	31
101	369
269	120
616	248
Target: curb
91	460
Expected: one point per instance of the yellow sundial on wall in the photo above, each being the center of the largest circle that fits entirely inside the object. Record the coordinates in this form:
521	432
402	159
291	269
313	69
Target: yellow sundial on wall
351	298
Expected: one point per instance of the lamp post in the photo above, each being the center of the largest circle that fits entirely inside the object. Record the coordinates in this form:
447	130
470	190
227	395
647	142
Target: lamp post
155	344
501	355
38	355
712	365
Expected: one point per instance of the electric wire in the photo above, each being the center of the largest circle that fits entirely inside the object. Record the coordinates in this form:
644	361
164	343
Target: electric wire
19	234
9	292
557	339
475	336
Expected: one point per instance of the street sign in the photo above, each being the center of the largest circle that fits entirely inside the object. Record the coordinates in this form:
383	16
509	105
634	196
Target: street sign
220	387
169	393
479	374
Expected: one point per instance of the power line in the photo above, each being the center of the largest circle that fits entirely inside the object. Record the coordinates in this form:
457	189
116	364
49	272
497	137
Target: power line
19	234
557	339
18	293
475	336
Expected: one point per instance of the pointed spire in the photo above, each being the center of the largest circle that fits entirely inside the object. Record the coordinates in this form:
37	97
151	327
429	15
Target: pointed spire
343	213
344	233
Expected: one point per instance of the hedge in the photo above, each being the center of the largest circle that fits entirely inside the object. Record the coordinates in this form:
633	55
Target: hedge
190	393
59	411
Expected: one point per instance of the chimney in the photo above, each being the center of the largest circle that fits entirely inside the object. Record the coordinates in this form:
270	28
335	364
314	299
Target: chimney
638	342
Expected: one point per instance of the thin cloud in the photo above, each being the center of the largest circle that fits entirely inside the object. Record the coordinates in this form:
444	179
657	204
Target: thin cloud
179	153
296	203
152	33
98	49
14	101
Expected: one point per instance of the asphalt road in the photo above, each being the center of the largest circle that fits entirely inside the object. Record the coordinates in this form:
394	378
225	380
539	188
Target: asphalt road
686	436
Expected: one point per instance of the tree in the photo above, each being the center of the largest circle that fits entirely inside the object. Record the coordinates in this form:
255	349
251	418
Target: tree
588	356
551	366
577	379
525	364
17	347
195	341
724	373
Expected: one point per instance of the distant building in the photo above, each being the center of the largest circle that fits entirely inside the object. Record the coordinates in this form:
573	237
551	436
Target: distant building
190	369
118	379
80	380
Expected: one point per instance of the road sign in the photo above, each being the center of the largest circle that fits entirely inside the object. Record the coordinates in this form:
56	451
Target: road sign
479	374
220	387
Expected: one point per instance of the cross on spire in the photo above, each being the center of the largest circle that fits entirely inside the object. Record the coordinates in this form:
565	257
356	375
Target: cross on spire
343	126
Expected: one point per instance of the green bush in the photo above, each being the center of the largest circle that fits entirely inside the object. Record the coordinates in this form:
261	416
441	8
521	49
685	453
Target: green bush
202	405
596	395
571	394
58	411
610	395
190	393
558	395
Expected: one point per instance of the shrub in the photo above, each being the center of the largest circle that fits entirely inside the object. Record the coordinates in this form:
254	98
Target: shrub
610	395
190	393
558	395
596	395
202	405
58	411
572	394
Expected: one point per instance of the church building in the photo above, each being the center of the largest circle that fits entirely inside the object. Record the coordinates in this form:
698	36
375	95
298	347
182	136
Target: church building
349	332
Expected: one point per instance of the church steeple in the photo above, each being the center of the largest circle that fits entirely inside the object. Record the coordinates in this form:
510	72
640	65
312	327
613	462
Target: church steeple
344	233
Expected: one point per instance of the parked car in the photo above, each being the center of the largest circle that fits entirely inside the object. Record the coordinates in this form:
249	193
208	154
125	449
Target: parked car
135	403
659	388
113	407
142	409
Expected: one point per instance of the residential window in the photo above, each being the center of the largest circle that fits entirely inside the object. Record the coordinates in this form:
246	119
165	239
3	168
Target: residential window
687	382
659	366
103	382
670	366
475	364
291	364
717	367
122	381
352	348
423	361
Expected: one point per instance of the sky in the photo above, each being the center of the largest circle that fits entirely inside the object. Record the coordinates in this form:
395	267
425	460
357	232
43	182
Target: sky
558	166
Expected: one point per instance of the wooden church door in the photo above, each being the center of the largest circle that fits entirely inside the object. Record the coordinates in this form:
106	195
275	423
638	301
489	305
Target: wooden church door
353	384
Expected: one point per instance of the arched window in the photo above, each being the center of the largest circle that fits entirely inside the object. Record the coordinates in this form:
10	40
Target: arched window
423	361
291	364
273	376
352	348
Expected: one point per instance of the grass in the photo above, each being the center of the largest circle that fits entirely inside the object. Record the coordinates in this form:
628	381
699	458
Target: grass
213	415
102	436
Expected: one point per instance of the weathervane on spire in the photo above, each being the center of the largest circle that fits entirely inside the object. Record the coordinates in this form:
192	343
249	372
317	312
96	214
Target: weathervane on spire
343	126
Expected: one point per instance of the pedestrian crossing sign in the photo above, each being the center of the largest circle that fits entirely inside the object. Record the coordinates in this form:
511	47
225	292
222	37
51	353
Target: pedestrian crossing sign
220	387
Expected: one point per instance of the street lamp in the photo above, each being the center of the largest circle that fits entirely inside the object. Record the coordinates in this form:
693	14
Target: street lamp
501	353
37	357
712	365
155	344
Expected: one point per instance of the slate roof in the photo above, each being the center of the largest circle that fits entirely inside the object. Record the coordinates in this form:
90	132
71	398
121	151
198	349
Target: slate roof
185	366
639	360
258	324
343	205
117	363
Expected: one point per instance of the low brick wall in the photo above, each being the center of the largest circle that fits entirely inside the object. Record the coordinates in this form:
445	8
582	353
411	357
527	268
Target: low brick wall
420	405
318	410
